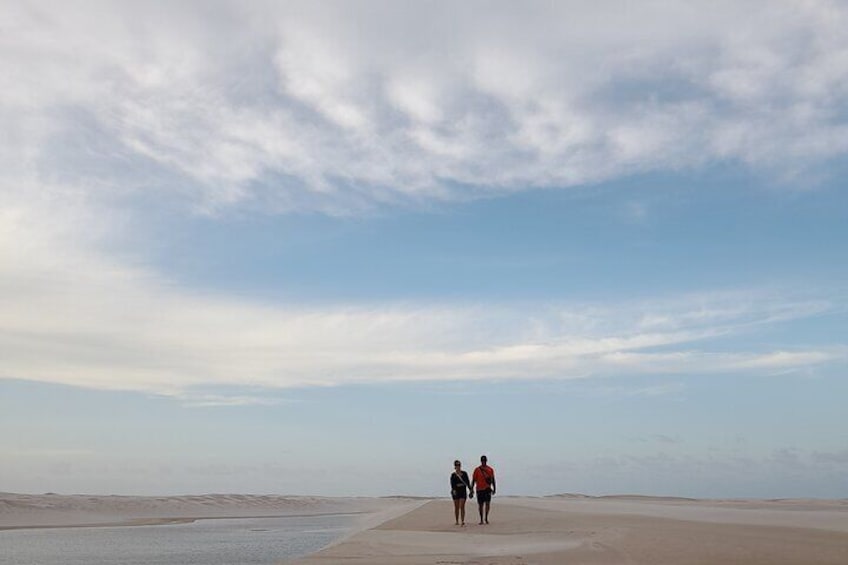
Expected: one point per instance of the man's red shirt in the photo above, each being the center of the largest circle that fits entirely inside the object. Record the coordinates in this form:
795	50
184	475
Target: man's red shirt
479	477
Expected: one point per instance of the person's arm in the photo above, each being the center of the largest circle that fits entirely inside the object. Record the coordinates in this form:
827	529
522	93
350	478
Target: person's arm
493	482
467	480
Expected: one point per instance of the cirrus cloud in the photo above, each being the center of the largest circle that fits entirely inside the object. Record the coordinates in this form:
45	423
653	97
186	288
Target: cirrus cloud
341	107
76	316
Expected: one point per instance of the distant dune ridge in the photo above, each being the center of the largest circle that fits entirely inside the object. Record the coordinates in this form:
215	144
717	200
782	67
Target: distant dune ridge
53	510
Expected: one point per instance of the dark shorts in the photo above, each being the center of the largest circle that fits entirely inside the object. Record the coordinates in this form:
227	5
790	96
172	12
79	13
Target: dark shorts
459	494
484	496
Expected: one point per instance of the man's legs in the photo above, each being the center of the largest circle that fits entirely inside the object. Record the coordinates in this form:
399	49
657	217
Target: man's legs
484	498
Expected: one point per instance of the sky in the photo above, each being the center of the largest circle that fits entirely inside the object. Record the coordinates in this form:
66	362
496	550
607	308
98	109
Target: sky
328	248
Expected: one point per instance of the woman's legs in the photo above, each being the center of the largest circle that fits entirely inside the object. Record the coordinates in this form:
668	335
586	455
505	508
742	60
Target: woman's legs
459	510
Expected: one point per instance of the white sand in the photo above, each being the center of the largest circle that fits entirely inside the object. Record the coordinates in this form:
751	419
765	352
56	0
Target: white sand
607	531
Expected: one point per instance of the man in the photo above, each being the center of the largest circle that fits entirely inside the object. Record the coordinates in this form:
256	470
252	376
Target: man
484	483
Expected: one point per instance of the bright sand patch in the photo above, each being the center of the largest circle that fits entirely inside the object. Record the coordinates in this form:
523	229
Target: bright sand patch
607	531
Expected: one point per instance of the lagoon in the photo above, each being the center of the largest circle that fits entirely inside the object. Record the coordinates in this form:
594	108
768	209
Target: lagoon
240	541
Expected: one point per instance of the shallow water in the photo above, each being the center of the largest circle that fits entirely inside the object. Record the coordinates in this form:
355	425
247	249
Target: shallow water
208	542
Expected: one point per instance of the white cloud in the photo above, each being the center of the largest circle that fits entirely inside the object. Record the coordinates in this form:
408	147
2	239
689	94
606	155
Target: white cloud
339	107
79	316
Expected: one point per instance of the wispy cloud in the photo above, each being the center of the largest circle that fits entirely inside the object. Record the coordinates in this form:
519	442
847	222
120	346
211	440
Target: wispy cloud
839	458
75	315
340	108
217	400
337	108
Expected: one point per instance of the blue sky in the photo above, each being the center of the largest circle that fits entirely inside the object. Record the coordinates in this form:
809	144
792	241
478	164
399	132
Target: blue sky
353	242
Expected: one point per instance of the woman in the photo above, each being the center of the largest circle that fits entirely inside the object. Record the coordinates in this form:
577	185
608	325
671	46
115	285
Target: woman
460	491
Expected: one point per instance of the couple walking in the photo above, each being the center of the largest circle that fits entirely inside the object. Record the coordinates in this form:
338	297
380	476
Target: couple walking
461	489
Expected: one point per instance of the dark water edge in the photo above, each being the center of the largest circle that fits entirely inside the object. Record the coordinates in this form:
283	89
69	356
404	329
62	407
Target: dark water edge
231	541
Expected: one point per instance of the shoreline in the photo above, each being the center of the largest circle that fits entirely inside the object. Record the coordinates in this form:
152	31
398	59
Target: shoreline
51	511
173	521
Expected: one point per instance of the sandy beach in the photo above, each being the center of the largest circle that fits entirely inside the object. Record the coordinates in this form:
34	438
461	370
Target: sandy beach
607	531
570	529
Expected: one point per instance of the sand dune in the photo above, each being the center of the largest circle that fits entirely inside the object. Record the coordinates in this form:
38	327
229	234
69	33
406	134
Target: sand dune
607	531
